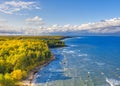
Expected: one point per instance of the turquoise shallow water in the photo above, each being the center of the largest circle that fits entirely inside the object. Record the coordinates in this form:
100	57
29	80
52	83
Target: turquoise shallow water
87	61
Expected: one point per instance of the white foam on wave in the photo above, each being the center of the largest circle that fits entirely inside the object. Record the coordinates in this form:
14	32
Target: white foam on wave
86	59
79	37
88	72
102	73
70	51
73	45
83	55
64	49
99	63
113	82
57	70
38	76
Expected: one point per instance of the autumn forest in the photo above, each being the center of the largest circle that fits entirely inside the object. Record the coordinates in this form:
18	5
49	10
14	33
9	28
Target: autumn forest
20	54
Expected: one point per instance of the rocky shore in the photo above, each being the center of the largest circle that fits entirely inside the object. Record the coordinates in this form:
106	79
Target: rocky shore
30	77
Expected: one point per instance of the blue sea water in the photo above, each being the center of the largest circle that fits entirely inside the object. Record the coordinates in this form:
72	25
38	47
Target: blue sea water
86	61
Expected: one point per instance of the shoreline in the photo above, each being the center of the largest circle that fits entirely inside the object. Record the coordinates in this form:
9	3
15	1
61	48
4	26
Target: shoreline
31	74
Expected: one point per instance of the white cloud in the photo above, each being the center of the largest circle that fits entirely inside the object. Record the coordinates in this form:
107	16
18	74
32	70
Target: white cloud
35	21
111	26
106	26
11	7
8	29
103	27
3	21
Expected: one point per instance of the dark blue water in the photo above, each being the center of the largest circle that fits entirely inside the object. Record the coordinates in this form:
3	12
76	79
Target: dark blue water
87	61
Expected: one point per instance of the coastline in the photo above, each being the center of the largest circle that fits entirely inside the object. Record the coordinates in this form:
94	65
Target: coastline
28	67
31	74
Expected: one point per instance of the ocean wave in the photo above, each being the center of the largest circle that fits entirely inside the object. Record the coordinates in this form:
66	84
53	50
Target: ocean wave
113	82
99	63
38	76
70	51
57	70
83	55
86	59
64	49
80	37
73	45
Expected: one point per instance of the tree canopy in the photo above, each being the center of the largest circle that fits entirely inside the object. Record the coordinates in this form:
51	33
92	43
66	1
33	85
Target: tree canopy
19	55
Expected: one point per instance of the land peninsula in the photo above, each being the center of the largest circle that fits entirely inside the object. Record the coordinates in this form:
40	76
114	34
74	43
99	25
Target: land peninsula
22	56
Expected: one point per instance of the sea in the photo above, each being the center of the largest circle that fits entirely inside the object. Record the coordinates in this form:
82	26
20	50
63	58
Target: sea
85	61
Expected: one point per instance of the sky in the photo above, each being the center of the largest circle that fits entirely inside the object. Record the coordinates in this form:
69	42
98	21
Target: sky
59	17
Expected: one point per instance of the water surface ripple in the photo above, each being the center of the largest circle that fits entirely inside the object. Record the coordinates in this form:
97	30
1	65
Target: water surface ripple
87	61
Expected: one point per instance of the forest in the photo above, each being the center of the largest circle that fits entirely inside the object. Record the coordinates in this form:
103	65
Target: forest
20	54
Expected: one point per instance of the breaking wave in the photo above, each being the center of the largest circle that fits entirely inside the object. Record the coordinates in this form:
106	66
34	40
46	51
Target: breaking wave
113	82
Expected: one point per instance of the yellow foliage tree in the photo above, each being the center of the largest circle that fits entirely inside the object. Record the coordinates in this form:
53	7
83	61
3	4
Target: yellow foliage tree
7	76
17	74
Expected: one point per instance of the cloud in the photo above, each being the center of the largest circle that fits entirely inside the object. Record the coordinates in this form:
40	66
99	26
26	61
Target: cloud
8	29
11	7
106	26
111	27
103	27
3	21
35	21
